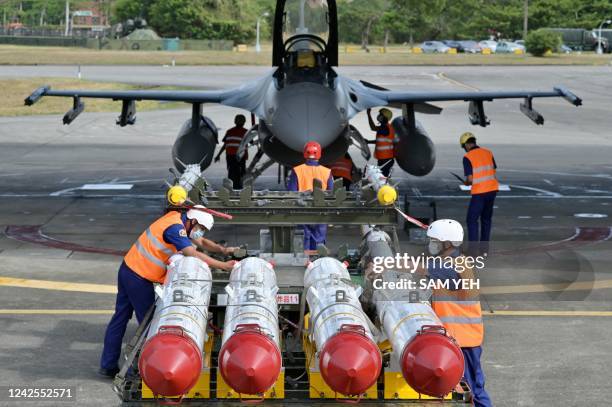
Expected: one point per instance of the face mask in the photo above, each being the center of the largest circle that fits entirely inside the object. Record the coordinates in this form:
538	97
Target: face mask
434	247
196	233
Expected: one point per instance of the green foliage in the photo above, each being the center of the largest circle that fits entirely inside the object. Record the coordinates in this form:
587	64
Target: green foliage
178	18
126	9
32	13
354	16
541	41
360	21
196	19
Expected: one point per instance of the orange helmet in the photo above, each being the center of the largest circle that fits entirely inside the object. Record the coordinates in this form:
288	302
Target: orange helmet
312	150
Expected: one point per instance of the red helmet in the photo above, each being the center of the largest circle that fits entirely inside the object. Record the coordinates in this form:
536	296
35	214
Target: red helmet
312	150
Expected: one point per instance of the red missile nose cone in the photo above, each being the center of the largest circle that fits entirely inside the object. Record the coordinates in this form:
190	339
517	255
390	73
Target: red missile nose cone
250	362
432	364
350	363
170	364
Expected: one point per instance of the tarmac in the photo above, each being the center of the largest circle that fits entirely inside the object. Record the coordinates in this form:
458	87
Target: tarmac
548	286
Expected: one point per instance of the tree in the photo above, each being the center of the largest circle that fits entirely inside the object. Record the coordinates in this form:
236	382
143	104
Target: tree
130	9
435	19
179	18
358	20
541	41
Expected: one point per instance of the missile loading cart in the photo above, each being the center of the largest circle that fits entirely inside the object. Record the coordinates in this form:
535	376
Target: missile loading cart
289	326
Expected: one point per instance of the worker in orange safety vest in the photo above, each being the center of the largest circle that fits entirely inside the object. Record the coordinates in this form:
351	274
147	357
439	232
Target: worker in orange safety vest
301	178
480	169
384	150
145	264
344	168
236	168
457	306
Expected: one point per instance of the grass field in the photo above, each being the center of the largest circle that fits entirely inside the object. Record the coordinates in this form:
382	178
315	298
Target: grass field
349	55
14	91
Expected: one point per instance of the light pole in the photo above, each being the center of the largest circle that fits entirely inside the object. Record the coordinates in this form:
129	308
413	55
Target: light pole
257	44
599	50
525	18
67	18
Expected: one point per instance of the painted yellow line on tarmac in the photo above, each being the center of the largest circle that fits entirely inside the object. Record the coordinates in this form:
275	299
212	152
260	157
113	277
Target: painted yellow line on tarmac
58	285
539	313
545	288
443	76
112	289
56	311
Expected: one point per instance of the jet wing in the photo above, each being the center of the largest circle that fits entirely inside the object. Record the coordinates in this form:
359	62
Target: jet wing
188	96
248	96
476	100
418	97
363	95
420	107
129	99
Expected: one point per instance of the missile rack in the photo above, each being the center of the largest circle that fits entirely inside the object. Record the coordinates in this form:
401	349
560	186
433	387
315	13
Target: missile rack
281	212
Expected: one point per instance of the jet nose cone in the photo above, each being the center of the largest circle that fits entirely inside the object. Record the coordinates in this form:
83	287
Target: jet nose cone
306	112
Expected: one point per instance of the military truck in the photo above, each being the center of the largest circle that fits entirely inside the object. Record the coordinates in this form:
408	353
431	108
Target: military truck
580	39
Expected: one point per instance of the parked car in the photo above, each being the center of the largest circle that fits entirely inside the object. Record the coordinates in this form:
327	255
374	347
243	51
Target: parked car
564	49
434	47
453	44
520	42
506	47
470	47
492	45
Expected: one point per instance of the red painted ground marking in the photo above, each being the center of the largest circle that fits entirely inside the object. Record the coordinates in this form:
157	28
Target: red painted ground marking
33	234
581	237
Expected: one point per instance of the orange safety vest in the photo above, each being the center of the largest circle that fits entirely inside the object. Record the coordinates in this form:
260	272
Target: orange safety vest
483	171
233	138
306	174
343	168
460	312
384	144
148	256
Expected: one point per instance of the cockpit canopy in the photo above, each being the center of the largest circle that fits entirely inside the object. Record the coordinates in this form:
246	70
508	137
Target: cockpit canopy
304	28
305	17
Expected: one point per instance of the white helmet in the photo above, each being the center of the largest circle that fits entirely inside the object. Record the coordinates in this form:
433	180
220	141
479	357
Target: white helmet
446	230
203	218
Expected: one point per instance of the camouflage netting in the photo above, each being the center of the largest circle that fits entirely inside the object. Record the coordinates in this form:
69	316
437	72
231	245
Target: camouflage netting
143	34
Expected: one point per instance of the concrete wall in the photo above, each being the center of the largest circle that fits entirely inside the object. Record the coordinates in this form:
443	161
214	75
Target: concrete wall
44	41
168	44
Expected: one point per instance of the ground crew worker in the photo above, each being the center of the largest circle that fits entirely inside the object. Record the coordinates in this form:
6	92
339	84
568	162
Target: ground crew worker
458	307
385	139
301	179
479	168
236	169
344	169
145	264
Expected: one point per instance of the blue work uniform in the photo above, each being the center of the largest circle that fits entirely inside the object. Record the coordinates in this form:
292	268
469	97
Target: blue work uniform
480	208
313	234
472	370
134	294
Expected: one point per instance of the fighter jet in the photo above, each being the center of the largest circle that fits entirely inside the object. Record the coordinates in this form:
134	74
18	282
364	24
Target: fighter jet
304	99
